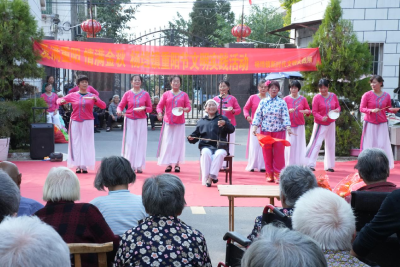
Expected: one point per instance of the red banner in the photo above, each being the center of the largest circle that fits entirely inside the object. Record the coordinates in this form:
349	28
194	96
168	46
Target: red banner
144	59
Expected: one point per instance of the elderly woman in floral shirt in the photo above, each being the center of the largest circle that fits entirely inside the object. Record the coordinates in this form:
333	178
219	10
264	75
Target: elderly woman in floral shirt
272	116
162	239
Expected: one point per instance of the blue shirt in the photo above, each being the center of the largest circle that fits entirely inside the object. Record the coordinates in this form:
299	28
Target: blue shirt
28	206
121	209
272	115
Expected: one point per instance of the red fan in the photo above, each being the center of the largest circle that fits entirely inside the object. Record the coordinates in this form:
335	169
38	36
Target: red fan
268	140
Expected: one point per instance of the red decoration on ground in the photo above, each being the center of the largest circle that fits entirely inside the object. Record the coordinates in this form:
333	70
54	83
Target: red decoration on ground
91	26
241	32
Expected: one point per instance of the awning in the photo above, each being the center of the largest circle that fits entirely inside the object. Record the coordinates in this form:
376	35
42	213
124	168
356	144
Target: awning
299	25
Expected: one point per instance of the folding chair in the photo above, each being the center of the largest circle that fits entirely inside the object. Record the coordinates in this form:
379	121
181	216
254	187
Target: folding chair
83	248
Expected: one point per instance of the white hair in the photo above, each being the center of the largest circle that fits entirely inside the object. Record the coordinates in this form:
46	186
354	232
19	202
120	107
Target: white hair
61	184
60	94
27	241
325	217
281	247
211	100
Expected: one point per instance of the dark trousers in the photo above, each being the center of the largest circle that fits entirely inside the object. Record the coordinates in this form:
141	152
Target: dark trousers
110	120
101	119
96	119
153	119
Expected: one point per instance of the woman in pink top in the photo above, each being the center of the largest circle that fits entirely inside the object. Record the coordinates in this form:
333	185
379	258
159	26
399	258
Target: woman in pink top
81	153
171	147
254	154
230	109
324	127
298	107
51	99
134	140
374	104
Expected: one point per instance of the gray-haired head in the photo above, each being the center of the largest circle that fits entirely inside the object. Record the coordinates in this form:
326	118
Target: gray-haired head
61	184
326	218
373	165
281	247
294	182
156	97
113	171
114	97
163	195
10	196
27	241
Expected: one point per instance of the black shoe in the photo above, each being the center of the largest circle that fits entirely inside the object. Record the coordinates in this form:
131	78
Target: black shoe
168	169
311	168
330	170
208	185
215	181
177	169
262	170
78	170
84	171
252	170
108	129
96	131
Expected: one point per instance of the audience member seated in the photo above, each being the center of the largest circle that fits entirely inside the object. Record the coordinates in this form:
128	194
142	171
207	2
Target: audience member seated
112	111
294	182
213	127
329	220
373	168
75	222
96	122
101	115
9	196
153	113
162	239
27	241
27	206
281	247
121	209
385	223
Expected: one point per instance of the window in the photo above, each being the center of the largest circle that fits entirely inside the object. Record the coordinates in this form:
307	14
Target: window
49	8
376	50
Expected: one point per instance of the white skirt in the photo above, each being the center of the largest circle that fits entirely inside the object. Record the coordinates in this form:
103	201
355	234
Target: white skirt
295	154
255	155
81	153
134	142
171	147
377	136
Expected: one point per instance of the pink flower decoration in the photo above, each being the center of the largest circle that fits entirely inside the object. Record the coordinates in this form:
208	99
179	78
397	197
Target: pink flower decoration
267	82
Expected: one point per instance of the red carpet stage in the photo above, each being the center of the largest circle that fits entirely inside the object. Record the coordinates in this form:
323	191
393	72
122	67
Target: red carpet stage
34	175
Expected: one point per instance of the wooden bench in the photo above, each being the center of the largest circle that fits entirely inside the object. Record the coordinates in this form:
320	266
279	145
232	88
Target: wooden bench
83	248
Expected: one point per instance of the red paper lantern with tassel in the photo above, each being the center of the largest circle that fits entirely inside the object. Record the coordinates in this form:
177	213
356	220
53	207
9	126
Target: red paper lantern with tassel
91	27
241	31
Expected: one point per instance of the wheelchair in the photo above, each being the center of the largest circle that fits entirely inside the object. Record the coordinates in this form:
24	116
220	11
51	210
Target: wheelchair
236	244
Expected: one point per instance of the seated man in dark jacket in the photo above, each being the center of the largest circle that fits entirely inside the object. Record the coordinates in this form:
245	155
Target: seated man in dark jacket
213	127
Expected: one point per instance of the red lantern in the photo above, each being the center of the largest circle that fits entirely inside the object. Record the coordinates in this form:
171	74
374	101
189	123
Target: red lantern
91	26
241	32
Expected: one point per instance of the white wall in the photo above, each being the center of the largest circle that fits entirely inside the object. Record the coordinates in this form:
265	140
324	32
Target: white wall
374	21
64	11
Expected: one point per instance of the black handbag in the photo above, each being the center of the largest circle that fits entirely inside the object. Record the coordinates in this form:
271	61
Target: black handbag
56	157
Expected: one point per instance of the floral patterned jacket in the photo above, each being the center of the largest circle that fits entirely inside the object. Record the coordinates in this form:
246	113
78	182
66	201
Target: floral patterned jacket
162	241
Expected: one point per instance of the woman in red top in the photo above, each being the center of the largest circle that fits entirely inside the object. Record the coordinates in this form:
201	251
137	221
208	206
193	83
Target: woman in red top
134	140
374	105
230	109
324	127
298	107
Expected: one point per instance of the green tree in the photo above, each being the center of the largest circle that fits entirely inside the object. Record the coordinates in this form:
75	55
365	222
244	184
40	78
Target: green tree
18	31
114	17
344	60
287	5
261	20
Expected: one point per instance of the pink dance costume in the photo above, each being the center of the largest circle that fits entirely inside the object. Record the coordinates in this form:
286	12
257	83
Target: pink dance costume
81	152
134	140
171	146
375	132
323	130
295	153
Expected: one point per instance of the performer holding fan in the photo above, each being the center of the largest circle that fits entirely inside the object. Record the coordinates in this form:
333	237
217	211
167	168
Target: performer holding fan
272	116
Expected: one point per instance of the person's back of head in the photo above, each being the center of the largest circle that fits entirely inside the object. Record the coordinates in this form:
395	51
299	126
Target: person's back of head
325	217
12	170
9	196
373	165
114	171
281	247
294	182
27	241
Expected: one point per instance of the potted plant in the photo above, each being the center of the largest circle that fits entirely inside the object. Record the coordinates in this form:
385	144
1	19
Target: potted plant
9	112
